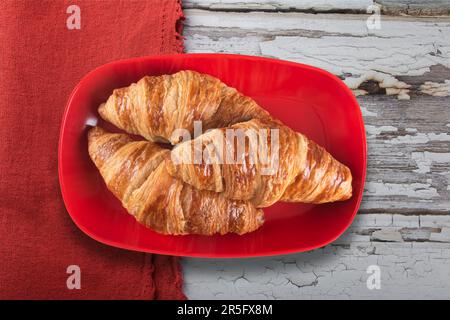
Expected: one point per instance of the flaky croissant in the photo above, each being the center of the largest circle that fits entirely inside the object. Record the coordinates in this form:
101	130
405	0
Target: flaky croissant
156	106
298	171
135	173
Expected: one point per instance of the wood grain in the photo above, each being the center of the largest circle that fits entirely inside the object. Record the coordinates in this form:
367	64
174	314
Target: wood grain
415	7
341	44
411	252
403	225
281	6
391	7
409	148
408	143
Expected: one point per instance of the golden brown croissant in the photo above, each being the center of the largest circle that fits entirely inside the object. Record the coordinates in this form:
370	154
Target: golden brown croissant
135	173
157	105
292	168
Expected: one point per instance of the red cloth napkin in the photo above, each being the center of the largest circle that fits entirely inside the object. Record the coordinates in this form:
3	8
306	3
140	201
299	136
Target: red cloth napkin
41	61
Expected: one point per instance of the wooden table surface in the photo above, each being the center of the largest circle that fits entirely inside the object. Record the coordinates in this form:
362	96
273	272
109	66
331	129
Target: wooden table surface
401	74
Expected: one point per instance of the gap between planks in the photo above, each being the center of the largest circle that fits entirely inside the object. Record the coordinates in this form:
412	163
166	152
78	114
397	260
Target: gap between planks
390	7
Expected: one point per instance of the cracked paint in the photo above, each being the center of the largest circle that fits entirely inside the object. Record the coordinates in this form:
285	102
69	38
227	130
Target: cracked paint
338	270
411	190
407	169
386	81
436	89
424	160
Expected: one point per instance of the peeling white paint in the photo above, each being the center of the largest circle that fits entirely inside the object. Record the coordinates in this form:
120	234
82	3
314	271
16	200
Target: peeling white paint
402	94
373	220
434	221
367	113
437	89
341	44
424	160
338	270
314	5
406	221
386	81
373	131
443	236
413	190
387	235
359	92
419	138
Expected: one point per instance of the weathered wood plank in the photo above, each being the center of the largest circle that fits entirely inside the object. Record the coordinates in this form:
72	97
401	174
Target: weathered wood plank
408	154
392	7
341	44
415	7
409	146
283	6
399	245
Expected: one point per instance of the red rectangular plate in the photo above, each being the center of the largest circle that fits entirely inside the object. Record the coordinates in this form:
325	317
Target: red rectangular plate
308	99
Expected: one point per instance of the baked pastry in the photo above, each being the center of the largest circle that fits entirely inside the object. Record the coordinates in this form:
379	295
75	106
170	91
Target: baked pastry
275	163
163	108
134	171
156	106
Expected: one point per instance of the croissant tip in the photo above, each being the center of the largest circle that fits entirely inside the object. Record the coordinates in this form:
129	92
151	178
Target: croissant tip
95	132
101	109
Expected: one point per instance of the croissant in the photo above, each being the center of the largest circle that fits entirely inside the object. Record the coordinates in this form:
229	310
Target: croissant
290	168
156	106
135	173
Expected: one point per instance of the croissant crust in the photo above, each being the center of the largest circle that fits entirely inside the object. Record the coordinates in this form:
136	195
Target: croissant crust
298	171
135	173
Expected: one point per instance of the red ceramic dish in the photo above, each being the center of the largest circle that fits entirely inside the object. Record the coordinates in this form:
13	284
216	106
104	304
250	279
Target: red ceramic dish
309	100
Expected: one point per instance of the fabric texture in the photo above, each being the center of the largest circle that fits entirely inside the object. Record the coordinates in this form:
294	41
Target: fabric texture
41	61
